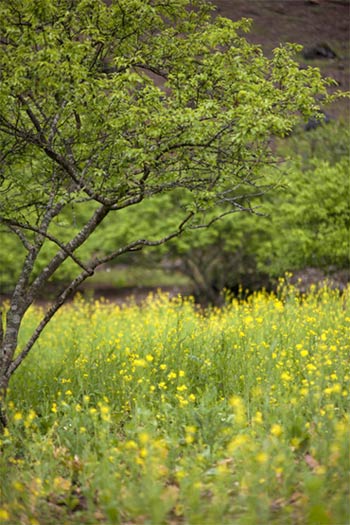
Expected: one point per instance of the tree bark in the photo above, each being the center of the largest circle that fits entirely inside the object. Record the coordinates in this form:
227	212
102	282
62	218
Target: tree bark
7	350
3	393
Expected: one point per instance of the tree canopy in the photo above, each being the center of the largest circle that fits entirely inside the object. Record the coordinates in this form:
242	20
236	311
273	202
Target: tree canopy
104	106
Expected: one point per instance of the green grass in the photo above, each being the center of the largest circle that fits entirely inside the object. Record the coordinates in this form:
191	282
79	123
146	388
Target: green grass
167	414
134	276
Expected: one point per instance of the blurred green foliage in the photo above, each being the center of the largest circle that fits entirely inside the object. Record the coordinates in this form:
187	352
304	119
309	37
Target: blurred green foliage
304	221
309	218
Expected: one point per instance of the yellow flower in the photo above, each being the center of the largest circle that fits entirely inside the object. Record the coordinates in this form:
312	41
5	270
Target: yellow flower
337	388
237	442
258	419
236	402
31	415
238	405
276	430
130	445
4	515
140	363
262	457
311	367
180	474
182	401
285	376
143	438
143	452
17	485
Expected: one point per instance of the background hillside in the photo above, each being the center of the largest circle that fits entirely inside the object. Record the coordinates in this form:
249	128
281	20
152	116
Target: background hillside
308	22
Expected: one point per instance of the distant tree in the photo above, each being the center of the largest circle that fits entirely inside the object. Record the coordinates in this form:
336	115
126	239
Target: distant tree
305	223
308	223
105	106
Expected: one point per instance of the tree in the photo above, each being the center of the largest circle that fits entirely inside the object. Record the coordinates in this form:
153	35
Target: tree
305	223
105	106
312	221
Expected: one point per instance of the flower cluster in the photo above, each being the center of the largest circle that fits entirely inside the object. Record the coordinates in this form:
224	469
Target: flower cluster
164	412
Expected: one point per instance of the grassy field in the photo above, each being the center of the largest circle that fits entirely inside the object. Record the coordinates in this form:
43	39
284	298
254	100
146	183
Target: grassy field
167	414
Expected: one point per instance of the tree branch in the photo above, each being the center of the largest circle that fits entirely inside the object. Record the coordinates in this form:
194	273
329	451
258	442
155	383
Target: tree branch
16	225
19	299
67	251
32	117
15	228
133	246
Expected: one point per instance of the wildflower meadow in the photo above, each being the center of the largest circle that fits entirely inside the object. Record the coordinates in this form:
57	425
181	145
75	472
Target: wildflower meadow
166	413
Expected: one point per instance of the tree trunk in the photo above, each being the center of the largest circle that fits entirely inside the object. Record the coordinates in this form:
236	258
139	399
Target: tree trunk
8	345
201	281
3	391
